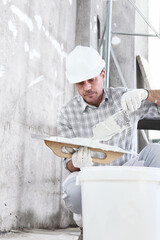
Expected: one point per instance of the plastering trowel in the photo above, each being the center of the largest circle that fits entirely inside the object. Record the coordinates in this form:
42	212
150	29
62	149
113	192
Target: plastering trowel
111	126
56	144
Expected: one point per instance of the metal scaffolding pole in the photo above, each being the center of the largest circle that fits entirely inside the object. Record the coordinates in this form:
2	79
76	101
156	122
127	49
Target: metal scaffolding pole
135	34
144	18
108	39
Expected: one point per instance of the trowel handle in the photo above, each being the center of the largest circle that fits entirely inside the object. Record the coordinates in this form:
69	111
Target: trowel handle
56	147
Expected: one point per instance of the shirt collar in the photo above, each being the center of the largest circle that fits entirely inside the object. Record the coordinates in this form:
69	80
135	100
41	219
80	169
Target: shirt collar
84	105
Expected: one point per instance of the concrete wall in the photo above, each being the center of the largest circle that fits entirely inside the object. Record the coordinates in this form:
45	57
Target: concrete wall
87	12
123	20
35	38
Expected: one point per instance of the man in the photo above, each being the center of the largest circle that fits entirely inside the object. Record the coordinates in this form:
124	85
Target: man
85	69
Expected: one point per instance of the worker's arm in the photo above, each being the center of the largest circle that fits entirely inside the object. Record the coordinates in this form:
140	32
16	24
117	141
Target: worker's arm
71	167
80	158
132	99
154	96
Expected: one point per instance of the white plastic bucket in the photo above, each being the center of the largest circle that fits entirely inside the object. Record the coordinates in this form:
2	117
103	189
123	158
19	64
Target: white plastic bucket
120	203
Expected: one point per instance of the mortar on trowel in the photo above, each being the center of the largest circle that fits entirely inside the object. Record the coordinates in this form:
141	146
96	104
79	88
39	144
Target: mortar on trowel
111	126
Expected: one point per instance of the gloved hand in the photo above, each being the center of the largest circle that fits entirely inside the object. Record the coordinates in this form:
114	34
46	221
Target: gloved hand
131	100
82	158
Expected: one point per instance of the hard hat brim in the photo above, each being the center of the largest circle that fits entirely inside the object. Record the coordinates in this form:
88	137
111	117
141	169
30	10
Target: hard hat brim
95	72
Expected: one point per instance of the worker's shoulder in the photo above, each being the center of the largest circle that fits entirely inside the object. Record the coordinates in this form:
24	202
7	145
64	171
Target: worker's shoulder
111	91
71	103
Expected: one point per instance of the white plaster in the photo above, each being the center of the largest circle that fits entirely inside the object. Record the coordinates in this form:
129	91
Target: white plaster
2	70
55	74
12	28
46	33
97	6
38	21
57	46
40	234
95	19
23	17
106	131
115	24
95	28
6	1
91	25
88	142
33	54
37	80
59	94
26	47
62	46
115	40
70	2
112	125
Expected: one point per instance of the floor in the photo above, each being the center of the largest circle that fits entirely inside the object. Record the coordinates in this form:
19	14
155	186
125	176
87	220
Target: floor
38	234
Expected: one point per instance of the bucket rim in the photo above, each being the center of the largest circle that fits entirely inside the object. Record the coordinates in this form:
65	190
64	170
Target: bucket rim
130	173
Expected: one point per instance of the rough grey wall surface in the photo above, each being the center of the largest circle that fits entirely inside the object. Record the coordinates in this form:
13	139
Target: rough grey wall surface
83	23
86	28
98	9
35	37
123	20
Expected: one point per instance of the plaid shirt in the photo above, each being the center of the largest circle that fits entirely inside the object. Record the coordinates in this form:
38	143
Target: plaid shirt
76	119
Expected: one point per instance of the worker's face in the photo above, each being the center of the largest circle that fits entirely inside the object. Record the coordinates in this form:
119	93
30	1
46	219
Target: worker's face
92	89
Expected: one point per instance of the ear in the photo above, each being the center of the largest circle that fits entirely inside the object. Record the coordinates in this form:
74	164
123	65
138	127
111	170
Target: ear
103	74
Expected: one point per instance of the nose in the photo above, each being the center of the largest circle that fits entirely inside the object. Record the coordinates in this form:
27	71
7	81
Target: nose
86	86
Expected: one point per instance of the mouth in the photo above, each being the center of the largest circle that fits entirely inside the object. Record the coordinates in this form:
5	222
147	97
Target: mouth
89	94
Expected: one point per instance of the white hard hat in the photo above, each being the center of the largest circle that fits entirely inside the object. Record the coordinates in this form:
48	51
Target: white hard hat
83	63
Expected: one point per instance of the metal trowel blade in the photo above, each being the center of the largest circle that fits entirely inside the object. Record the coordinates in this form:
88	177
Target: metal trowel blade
111	126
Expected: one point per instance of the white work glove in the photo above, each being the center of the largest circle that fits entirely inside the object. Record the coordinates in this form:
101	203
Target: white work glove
82	157
131	100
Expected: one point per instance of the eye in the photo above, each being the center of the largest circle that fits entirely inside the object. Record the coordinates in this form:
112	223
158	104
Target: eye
91	80
80	84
